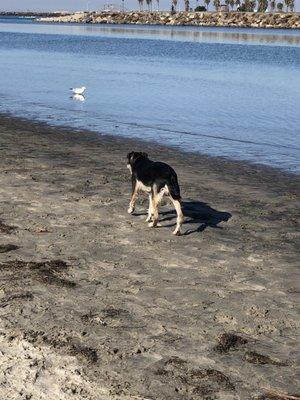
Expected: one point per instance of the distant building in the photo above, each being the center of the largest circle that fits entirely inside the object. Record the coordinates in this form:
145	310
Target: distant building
112	8
223	8
62	12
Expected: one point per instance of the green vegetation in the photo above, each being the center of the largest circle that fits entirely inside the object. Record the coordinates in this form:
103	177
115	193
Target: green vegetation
187	5
207	3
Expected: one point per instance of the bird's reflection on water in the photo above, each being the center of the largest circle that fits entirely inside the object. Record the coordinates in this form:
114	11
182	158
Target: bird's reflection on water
78	97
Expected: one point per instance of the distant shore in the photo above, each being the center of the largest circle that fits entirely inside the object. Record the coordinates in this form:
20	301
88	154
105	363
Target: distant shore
33	14
220	19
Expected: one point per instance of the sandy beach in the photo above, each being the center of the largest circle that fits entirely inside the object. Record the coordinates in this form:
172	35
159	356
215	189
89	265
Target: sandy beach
96	305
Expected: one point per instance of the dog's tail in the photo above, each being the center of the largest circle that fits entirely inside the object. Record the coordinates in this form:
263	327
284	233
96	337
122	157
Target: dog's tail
174	188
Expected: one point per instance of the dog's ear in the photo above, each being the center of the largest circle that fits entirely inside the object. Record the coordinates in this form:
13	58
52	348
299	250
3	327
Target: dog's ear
130	157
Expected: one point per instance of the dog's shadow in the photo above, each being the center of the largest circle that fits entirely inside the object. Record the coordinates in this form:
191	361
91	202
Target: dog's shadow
198	213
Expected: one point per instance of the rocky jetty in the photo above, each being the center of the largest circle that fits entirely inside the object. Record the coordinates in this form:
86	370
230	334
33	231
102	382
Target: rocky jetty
232	19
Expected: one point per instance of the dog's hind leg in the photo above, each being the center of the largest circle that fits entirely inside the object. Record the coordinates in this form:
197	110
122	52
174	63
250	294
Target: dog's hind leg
155	200
154	212
180	216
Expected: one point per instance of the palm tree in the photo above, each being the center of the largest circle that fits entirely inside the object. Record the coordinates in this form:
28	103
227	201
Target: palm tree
207	3
149	2
272	5
289	5
216	4
174	3
157	1
231	2
237	3
227	3
187	5
141	4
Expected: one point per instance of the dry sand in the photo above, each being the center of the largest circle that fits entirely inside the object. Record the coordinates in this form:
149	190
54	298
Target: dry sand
96	305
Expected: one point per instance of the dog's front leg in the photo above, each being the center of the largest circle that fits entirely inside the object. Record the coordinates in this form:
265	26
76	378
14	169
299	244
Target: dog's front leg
133	195
150	209
154	208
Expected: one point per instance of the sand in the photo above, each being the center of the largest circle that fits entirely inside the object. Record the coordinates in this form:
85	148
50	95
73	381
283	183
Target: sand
94	304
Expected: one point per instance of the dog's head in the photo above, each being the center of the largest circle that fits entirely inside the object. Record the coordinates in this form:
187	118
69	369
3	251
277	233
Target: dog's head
133	156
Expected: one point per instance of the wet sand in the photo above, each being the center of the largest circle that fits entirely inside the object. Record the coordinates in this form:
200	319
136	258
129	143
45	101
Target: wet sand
94	304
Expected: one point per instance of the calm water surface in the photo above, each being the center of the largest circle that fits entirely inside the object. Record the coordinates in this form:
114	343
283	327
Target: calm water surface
225	92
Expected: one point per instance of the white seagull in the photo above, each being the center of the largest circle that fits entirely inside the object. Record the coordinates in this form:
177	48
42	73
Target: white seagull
78	90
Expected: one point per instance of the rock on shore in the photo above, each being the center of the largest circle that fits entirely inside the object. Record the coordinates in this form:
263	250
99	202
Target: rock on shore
233	19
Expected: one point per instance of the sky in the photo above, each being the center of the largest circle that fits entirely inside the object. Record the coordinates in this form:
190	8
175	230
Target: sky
76	5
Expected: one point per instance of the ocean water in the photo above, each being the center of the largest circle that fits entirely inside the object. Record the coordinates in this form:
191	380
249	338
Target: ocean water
219	91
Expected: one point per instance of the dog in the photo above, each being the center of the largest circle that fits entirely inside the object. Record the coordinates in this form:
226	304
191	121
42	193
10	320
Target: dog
157	179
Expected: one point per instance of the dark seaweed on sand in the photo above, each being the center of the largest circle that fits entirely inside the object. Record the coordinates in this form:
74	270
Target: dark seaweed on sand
5	248
228	341
50	272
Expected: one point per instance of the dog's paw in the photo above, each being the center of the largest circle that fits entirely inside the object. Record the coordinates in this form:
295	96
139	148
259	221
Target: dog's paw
154	224
148	218
177	233
130	210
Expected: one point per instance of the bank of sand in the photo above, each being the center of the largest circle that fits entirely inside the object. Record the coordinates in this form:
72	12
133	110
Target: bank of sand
96	305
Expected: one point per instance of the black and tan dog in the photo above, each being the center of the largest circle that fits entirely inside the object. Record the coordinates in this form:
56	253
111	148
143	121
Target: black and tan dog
157	179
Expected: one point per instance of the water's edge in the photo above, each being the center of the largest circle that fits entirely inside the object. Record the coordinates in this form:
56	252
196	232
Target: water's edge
137	144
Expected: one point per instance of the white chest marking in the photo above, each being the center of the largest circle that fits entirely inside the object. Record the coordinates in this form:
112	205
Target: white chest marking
129	167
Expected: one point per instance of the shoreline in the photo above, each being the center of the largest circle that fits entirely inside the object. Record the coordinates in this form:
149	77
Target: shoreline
236	19
231	163
96	305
